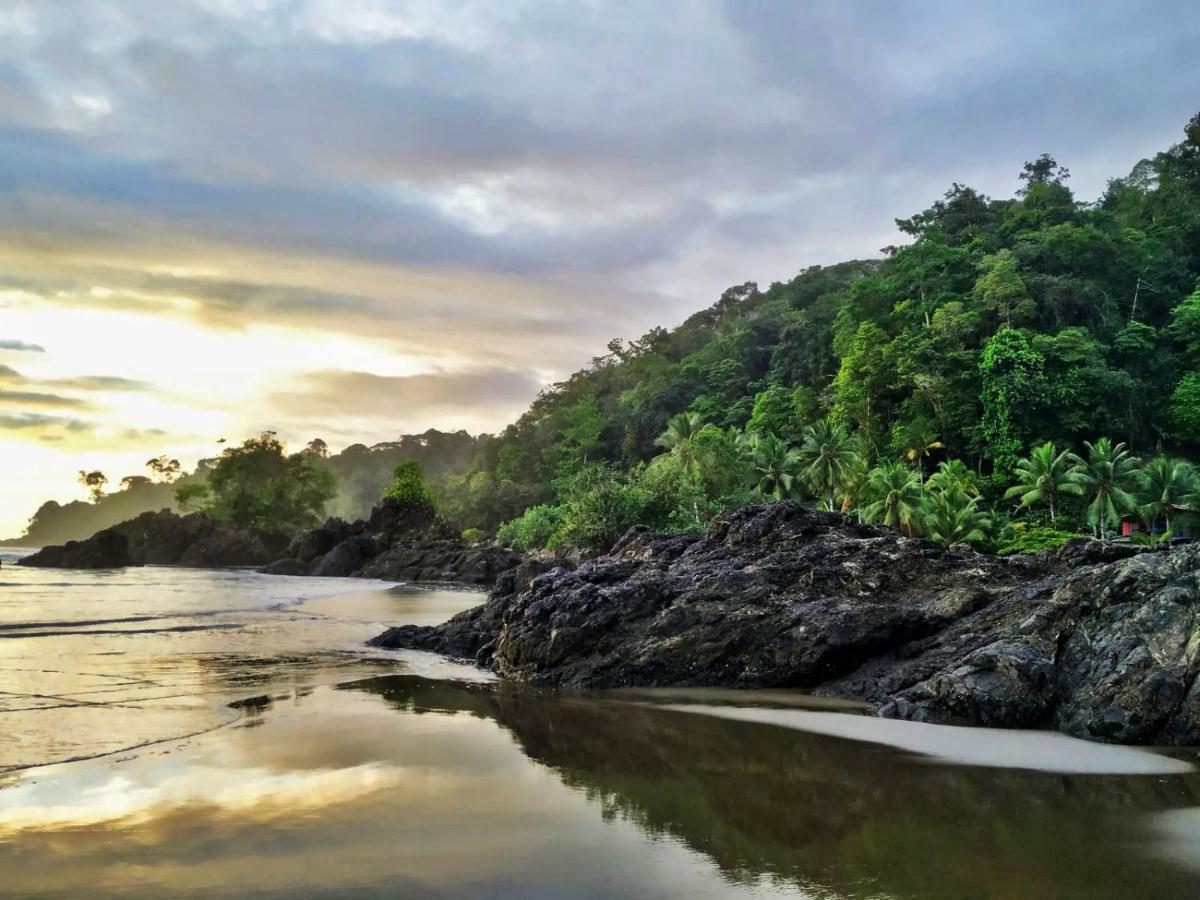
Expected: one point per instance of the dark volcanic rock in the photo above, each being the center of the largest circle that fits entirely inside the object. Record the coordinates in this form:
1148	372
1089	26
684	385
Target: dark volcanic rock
164	538
397	542
108	549
1091	638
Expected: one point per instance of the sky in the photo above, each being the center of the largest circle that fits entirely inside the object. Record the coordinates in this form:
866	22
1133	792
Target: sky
353	219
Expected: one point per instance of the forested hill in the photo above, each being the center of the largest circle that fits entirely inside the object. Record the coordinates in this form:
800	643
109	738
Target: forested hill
1036	356
1003	324
360	474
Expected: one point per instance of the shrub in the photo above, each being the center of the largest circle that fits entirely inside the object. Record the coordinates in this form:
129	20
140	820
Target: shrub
1032	540
473	535
409	486
533	529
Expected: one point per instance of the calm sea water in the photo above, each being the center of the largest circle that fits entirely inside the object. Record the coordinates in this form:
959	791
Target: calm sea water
342	772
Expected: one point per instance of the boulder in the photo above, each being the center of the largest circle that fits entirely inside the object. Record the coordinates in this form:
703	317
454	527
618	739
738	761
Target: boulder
107	549
1097	640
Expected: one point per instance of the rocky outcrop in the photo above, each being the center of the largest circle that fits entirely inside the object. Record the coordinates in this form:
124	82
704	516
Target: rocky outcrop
397	542
1093	639
164	538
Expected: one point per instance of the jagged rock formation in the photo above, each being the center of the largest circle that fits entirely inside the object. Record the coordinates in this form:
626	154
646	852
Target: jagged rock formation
397	542
1094	639
164	538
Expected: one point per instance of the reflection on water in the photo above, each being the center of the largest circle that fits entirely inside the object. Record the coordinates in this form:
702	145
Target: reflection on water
410	787
268	758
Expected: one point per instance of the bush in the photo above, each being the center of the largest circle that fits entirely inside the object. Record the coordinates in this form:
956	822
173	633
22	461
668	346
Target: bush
533	529
473	535
1032	540
409	486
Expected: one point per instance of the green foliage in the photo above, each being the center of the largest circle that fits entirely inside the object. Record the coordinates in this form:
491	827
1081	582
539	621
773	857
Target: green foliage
257	485
1012	387
828	459
474	535
953	517
533	529
1045	477
1034	540
192	497
895	498
1185	408
776	466
409	487
1165	488
1107	476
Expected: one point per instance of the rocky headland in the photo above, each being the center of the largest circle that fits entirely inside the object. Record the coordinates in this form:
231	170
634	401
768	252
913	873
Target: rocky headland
1094	639
164	539
397	542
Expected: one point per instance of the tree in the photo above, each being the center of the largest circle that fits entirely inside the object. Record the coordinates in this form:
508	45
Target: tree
580	437
921	443
679	436
1044	477
133	482
896	498
776	467
192	497
826	456
94	481
409	487
1107	475
257	485
953	475
1163	488
1001	289
165	469
1185	324
1184	408
318	448
1012	389
952	517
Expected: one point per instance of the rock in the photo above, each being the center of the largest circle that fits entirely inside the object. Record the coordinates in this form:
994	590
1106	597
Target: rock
345	558
107	549
285	566
397	542
164	538
1097	640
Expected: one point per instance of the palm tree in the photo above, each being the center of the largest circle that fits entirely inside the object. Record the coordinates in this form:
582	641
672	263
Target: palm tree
897	498
1044	477
954	475
681	428
827	456
952	517
920	445
776	466
1107	473
1164	488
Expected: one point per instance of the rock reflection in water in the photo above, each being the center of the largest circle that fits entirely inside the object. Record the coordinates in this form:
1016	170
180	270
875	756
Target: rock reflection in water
834	815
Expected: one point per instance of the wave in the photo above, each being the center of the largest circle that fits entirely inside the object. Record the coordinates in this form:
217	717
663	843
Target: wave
220	626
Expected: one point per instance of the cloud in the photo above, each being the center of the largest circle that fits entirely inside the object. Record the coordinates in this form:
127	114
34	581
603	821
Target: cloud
21	346
100	383
411	398
9	372
33	398
39	422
